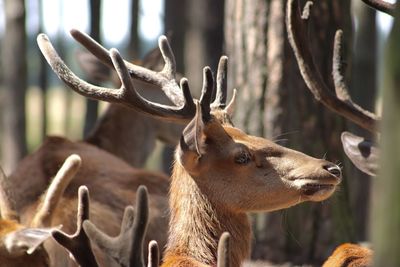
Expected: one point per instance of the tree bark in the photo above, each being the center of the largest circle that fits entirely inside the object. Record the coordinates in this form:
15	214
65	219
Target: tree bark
274	102
43	79
15	83
134	41
385	217
363	85
92	105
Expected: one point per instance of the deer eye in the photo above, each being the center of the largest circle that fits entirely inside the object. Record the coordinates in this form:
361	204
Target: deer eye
243	158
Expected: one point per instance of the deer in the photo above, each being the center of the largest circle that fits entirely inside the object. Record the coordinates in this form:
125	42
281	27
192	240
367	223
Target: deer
132	133
220	173
112	181
362	152
23	233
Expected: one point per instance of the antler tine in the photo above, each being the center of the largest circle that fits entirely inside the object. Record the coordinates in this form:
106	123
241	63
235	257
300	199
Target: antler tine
55	191
154	254
165	78
221	92
127	247
312	77
340	86
126	95
92	46
78	244
206	93
224	250
7	203
380	5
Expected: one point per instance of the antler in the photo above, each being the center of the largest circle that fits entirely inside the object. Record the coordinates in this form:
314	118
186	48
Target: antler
127	94
78	244
154	257
165	78
127	247
221	92
380	5
184	108
55	191
340	102
224	250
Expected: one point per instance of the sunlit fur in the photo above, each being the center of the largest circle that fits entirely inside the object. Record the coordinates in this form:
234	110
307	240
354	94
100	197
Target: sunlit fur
38	258
112	184
350	255
211	193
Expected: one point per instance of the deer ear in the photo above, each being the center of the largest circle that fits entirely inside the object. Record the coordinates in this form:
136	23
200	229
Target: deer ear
27	240
193	135
363	153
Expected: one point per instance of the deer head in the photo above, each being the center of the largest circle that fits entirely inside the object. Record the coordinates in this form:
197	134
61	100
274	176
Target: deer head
22	245
220	172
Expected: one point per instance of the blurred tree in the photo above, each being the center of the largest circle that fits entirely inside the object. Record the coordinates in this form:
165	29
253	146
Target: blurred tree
363	91
15	83
134	41
174	28
204	36
385	217
274	102
92	105
43	80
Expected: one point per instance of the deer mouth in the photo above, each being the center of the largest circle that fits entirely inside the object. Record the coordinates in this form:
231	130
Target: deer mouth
311	189
315	188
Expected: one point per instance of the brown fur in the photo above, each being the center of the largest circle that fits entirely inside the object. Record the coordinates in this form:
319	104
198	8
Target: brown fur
38	258
350	255
112	184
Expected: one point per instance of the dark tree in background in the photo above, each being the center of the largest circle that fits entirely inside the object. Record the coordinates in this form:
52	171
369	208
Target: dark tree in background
174	28
203	38
195	29
15	83
363	86
92	105
274	102
134	41
43	79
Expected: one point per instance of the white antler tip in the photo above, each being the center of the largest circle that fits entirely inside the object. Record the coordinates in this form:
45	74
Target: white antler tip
162	38
74	160
42	37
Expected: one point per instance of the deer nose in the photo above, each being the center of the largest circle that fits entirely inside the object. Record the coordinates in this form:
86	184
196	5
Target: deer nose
333	169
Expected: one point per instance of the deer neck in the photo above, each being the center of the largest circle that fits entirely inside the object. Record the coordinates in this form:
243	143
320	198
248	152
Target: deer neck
121	131
196	223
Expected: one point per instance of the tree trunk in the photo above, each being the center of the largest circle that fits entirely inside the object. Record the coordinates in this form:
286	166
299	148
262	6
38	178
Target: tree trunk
203	39
15	82
134	41
363	91
92	105
43	80
274	102
385	218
